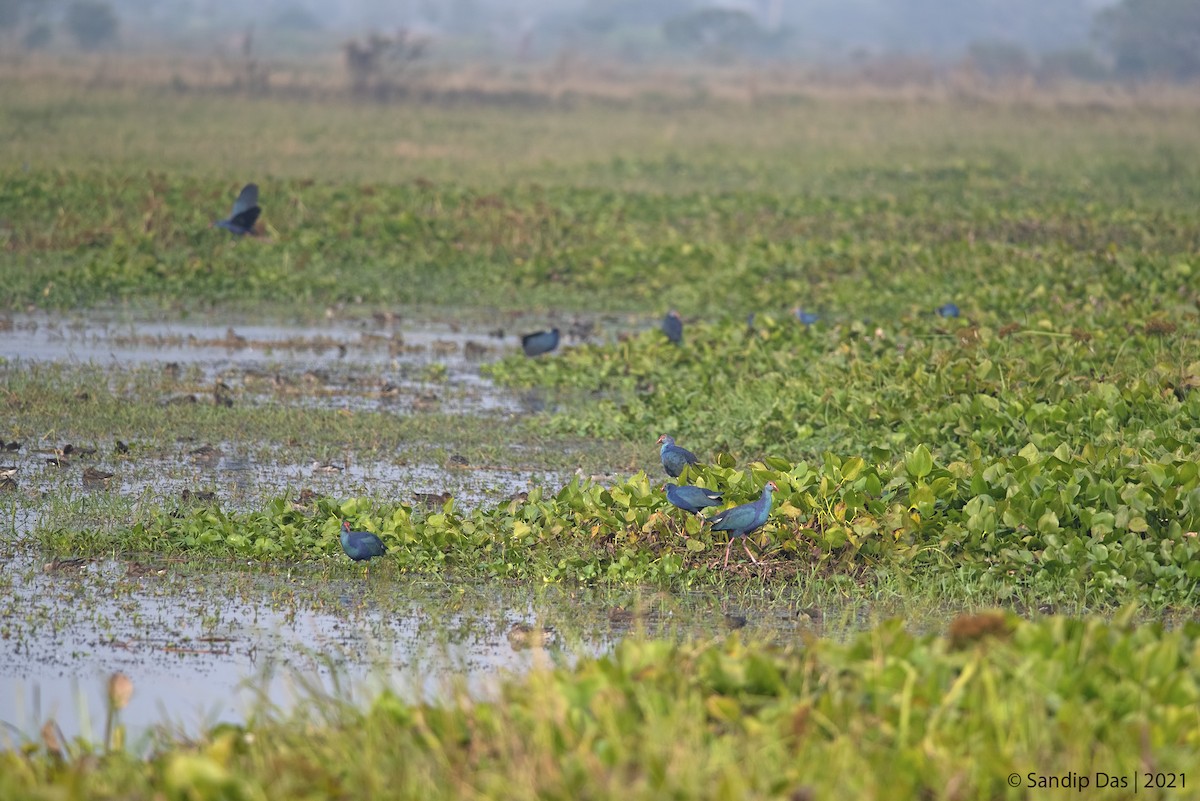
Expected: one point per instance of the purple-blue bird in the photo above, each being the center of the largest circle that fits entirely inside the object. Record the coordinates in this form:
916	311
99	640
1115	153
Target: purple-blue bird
245	212
741	520
360	545
674	458
691	499
539	342
672	326
947	310
806	317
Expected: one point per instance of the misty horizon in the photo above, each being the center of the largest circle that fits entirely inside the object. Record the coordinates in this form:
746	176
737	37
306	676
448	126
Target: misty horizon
797	30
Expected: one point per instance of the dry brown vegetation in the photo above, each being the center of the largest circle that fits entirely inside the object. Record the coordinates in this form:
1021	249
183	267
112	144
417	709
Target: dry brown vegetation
574	79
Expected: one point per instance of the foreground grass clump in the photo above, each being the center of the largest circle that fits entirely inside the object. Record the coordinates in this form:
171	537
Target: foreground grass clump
988	710
1102	525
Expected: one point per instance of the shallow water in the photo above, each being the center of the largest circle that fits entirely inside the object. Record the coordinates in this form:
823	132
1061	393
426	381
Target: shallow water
243	481
339	364
204	642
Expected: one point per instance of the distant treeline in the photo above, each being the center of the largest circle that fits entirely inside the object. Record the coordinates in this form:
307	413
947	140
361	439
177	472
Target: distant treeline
1087	39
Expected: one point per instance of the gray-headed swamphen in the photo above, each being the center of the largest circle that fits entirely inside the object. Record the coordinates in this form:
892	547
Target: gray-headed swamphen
539	342
245	212
360	545
674	458
741	520
672	326
691	499
947	310
806	317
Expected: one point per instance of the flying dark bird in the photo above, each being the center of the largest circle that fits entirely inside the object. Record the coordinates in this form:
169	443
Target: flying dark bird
947	310
674	458
806	317
741	520
245	212
672	326
691	499
539	342
360	545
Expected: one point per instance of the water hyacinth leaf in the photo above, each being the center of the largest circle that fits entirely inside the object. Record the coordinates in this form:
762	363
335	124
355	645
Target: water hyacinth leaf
787	509
834	537
853	467
918	462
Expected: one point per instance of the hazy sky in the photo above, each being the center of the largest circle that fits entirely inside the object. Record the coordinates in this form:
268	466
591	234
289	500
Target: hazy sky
805	28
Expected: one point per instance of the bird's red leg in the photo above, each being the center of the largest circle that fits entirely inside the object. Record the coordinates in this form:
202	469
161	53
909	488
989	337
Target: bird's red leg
746	545
727	549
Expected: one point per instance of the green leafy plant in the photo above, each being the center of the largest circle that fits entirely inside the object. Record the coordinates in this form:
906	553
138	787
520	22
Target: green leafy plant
1100	524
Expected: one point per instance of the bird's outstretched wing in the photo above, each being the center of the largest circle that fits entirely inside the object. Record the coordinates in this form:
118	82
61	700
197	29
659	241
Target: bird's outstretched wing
246	200
245	210
245	219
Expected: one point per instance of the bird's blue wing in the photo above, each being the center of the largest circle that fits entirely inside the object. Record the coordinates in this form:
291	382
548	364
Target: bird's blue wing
698	496
673	328
735	519
247	200
539	342
365	545
532	343
243	222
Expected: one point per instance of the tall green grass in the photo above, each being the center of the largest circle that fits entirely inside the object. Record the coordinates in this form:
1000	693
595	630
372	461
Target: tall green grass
988	710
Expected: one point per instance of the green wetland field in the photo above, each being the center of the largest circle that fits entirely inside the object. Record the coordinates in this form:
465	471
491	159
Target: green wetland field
981	572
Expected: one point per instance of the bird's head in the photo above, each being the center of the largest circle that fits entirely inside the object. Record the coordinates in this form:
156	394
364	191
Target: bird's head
772	486
673	313
346	526
666	439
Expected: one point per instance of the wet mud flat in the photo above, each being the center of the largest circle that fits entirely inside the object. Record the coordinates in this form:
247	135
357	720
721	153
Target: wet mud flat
348	368
205	641
335	362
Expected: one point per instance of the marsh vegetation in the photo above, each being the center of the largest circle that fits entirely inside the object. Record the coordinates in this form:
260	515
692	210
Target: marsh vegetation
190	417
